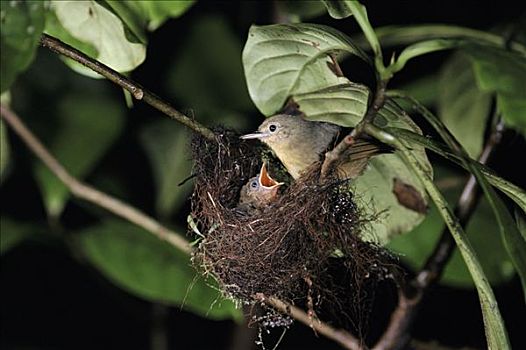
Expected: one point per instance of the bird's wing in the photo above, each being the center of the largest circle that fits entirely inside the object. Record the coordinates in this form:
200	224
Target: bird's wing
358	155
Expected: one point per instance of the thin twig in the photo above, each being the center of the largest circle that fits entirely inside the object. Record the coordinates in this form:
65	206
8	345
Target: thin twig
340	336
136	90
332	156
397	335
88	193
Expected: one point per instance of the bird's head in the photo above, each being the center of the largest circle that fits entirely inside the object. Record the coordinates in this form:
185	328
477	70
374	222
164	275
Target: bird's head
260	190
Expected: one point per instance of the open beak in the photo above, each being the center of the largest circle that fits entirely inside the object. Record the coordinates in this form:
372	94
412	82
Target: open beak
266	180
256	135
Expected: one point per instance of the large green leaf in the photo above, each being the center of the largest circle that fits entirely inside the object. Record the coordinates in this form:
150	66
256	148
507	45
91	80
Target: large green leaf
83	131
94	25
502	72
166	144
462	107
143	265
415	247
283	60
22	25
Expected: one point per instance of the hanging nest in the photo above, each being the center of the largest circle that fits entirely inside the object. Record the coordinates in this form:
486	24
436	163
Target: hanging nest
289	248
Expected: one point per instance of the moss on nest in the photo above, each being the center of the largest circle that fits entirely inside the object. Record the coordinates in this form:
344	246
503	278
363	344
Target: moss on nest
288	249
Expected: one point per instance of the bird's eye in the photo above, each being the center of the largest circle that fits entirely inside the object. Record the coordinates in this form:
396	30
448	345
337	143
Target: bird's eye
272	127
254	184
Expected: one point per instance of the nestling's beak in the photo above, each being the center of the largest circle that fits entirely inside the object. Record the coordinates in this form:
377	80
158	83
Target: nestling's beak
266	180
256	135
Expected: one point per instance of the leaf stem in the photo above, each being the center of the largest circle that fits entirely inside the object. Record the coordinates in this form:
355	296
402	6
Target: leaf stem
136	90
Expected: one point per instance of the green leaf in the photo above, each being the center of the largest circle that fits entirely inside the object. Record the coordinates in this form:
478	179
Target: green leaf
143	265
283	60
462	107
14	233
131	19
416	246
22	25
83	132
410	34
219	61
502	72
166	144
92	24
338	9
422	48
154	13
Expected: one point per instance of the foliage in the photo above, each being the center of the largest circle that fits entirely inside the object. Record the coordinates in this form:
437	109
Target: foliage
481	82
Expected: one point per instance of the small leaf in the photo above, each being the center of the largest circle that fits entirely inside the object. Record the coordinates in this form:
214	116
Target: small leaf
143	265
462	107
283	60
166	144
22	25
84	130
91	23
338	9
155	13
422	48
14	233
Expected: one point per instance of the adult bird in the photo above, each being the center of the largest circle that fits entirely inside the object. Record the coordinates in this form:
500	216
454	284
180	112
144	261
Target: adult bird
298	143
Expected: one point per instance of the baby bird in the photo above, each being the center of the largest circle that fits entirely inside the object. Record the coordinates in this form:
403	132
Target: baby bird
259	191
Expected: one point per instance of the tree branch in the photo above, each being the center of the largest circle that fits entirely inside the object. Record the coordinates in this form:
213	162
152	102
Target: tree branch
332	156
136	90
340	336
397	335
88	193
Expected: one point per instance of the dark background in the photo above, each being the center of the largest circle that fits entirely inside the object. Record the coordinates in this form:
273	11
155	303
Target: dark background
51	301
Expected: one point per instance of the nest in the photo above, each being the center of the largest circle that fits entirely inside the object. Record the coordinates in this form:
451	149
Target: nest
290	248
